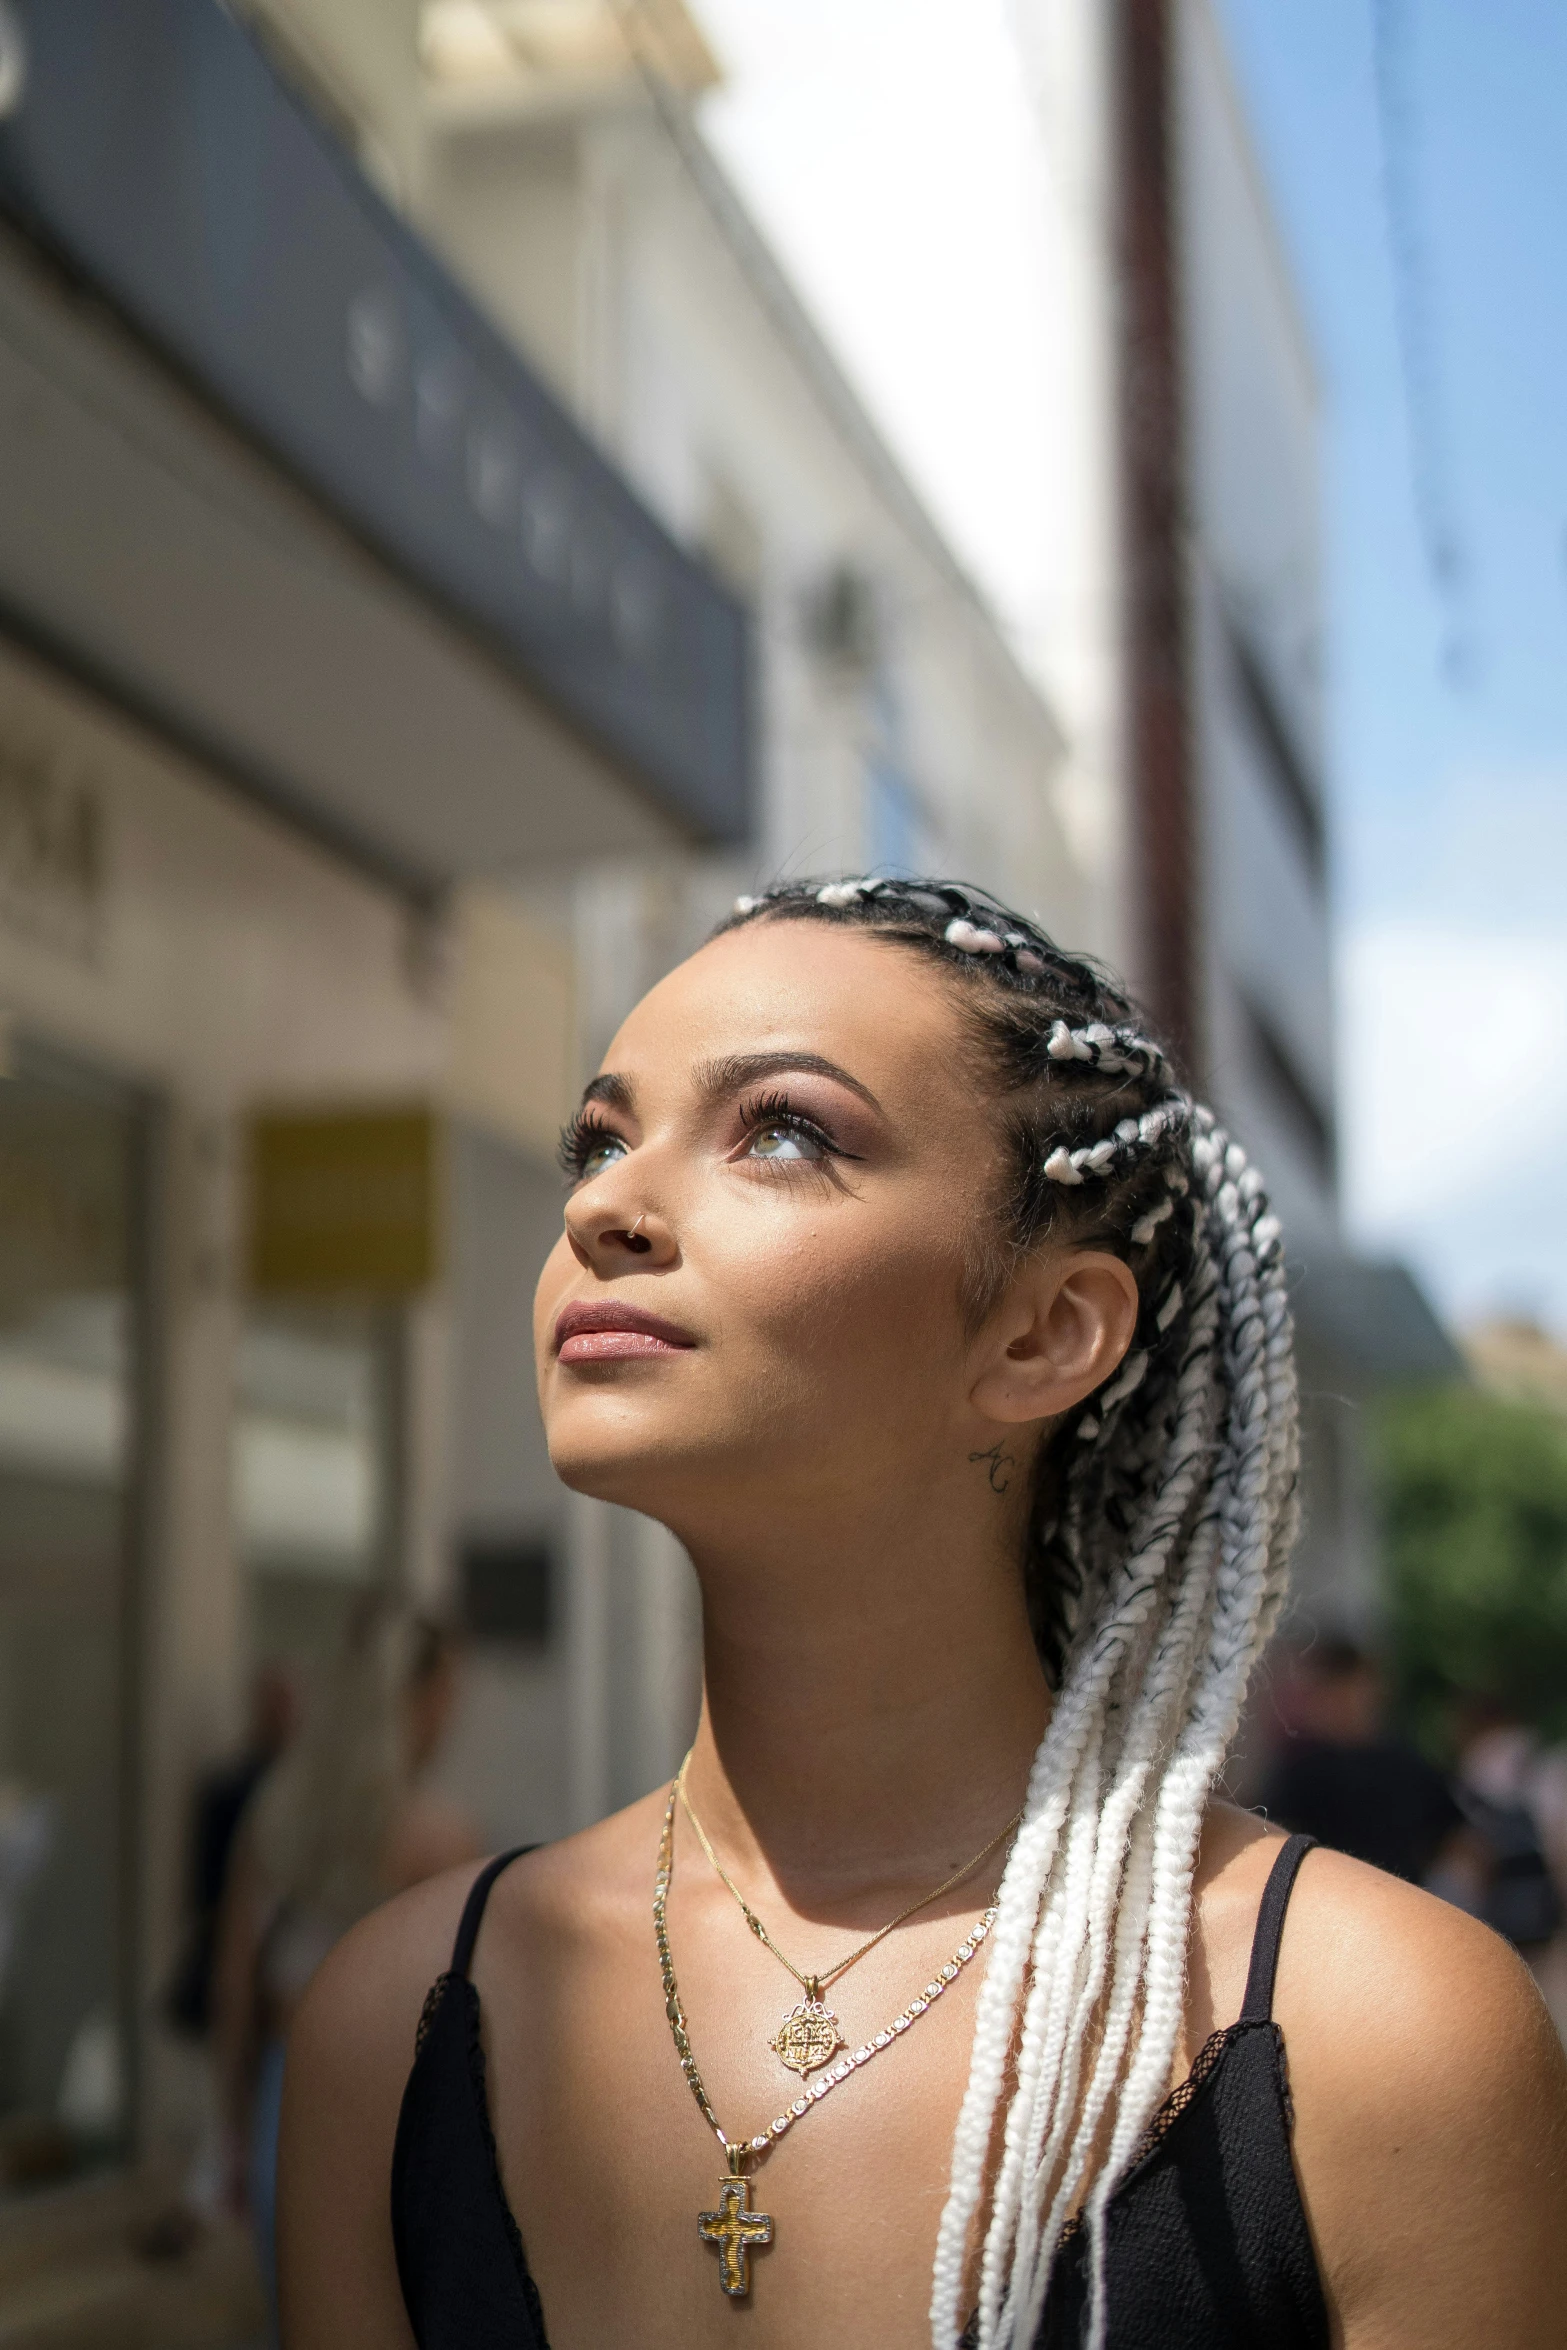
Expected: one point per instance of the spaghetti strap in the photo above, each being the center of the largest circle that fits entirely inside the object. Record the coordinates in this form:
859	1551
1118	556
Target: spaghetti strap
1270	1926
473	1907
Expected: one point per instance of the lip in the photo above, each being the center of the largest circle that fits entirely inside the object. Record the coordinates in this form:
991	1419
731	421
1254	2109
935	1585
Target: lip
616	1334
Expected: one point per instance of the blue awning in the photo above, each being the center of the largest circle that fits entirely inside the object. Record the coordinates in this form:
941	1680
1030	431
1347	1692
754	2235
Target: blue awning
155	151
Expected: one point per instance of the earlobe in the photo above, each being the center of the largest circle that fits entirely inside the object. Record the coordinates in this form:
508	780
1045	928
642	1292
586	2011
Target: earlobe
1065	1324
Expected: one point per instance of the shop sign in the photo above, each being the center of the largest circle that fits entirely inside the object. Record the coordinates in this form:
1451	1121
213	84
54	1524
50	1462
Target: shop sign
344	1202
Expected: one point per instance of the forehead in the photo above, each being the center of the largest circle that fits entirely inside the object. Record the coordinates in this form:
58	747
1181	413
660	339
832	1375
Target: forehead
868	1003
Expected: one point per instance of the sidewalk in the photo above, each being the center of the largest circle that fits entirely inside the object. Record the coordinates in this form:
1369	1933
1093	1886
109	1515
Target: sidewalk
72	2276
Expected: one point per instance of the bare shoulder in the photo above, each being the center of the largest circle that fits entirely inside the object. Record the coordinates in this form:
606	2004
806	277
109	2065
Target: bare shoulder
1380	1982
365	2000
1430	2095
350	2050
352	2047
363	2007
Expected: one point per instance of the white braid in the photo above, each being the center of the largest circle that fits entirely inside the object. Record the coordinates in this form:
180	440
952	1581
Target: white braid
1118	1051
1127	1845
1131	1138
1095	1906
1146	1226
1028	1923
973	940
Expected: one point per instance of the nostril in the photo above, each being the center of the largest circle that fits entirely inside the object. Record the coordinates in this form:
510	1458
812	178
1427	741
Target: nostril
638	1243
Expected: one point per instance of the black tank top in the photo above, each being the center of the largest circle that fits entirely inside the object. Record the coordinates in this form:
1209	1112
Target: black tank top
1207	2246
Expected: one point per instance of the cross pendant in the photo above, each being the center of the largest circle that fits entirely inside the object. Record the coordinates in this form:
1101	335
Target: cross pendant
736	2232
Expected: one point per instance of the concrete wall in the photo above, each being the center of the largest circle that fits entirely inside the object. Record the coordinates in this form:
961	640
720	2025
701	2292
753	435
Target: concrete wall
1256	505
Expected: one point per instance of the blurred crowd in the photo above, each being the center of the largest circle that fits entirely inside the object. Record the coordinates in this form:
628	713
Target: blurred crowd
1489	1833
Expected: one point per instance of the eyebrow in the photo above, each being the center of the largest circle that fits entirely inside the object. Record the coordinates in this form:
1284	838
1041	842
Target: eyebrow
717	1078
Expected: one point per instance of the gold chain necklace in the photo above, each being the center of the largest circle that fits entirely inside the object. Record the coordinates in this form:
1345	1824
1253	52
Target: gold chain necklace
734	2228
810	2035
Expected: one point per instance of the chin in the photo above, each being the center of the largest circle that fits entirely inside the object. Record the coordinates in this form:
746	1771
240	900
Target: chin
658	1463
605	1474
614	1453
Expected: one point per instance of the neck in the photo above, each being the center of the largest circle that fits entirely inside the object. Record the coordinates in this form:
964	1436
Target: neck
872	1698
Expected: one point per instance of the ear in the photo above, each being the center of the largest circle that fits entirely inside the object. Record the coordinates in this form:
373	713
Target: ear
1065	1323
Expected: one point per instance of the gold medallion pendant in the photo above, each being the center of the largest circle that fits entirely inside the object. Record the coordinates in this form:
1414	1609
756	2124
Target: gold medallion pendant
809	2035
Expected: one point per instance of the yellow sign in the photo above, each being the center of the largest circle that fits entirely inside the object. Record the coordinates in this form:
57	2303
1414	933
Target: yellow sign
344	1201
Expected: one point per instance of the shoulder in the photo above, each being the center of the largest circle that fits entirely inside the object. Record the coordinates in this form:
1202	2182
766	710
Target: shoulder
350	2050
1382	1983
352	2045
360	2016
363	2006
1430	2095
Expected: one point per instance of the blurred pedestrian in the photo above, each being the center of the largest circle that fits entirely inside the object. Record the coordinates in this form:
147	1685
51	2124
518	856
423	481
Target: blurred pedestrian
221	1798
1342	1776
1511	1795
338	1825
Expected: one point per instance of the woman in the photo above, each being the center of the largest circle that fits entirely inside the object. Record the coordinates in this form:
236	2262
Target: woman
903	1281
338	1824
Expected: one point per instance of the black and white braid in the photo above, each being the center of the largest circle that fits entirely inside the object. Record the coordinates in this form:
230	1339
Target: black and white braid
1161	1523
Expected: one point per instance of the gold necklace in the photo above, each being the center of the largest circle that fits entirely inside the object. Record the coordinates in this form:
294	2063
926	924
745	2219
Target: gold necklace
809	2035
734	2228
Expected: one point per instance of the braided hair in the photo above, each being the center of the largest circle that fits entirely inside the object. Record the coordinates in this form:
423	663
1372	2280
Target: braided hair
1161	1519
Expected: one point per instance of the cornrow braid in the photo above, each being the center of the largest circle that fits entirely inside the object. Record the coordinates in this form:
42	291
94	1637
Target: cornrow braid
1161	1520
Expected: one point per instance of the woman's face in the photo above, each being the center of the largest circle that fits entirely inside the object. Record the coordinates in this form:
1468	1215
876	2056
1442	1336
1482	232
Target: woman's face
759	1293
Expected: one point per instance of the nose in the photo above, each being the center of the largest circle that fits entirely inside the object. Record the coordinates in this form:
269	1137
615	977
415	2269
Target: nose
608	1238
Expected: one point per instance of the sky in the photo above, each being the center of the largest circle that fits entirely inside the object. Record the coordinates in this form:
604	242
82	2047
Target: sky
1450	790
896	168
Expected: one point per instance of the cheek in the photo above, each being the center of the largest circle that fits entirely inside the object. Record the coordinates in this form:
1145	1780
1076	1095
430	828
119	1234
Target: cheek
845	1297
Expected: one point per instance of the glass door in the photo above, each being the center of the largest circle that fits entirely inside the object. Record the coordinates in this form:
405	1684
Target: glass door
71	1157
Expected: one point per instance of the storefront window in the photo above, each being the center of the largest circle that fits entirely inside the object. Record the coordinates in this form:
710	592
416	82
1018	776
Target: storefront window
312	1470
70	1152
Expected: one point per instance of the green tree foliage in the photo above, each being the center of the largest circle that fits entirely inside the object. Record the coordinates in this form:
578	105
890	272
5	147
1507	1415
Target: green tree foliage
1474	1502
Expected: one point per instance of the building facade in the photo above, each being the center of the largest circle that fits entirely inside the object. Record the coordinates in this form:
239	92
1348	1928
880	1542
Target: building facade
439	565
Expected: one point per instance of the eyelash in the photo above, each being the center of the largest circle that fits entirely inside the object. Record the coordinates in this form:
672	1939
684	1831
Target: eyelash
579	1137
584	1132
776	1109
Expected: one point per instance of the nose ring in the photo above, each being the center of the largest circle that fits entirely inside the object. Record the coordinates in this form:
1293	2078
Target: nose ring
636	1227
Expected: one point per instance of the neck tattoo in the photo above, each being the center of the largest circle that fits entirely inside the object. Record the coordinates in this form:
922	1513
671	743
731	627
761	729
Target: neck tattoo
1000	1466
734	2229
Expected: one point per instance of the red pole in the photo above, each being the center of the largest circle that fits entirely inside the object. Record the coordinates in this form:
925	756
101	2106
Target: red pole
1153	520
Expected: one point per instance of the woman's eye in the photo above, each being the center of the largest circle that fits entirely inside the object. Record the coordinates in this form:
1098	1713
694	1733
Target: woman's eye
779	1141
601	1152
